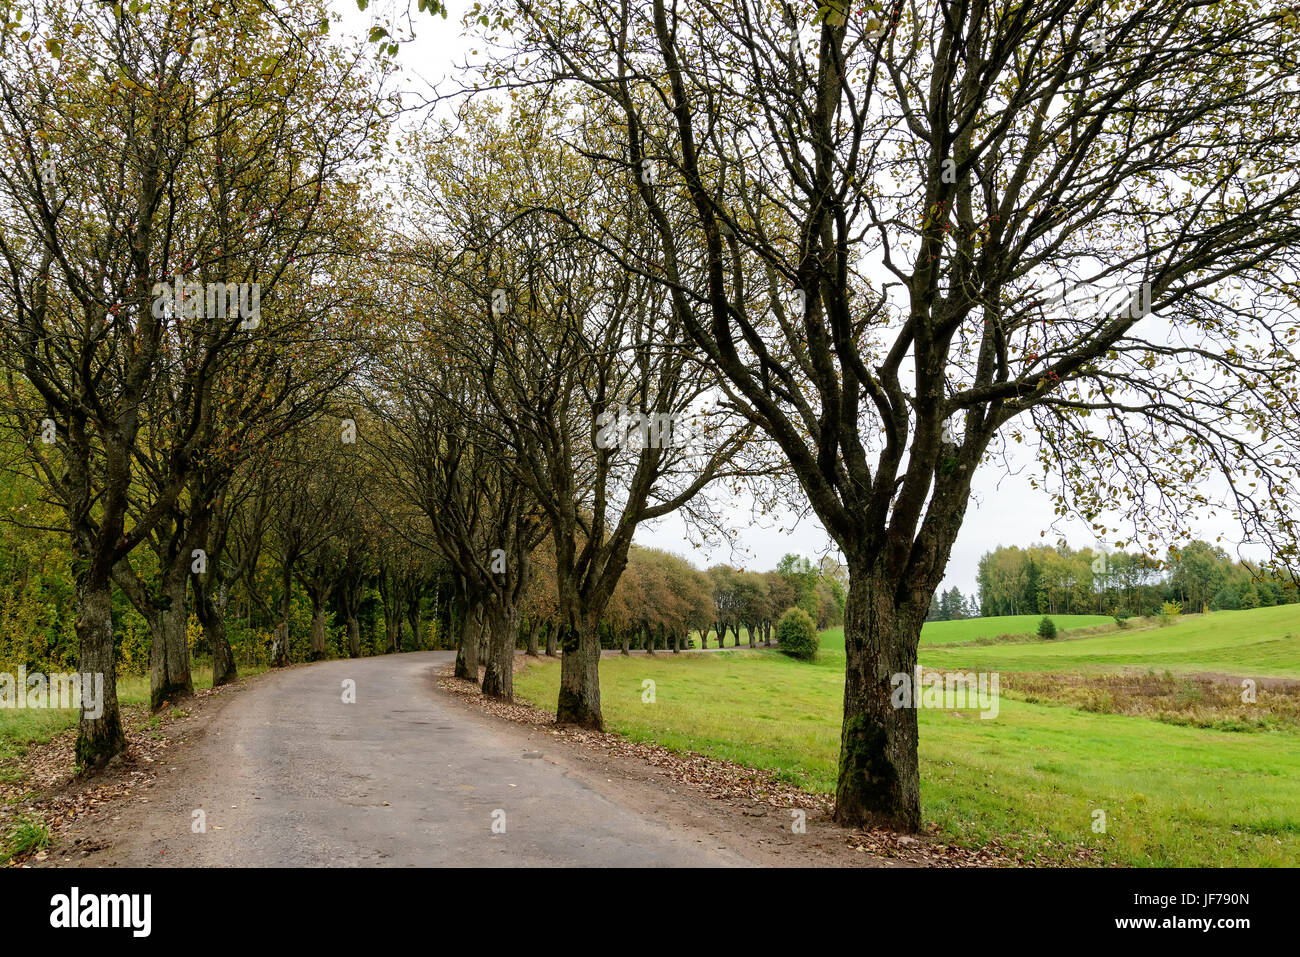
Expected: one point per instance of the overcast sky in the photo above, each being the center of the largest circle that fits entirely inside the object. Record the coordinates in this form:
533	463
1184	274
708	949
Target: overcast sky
1005	509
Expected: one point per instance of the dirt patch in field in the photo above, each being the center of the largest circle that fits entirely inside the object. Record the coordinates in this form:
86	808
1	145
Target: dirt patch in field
1205	700
748	809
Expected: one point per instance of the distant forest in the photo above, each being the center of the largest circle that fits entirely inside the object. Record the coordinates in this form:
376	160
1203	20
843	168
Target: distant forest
1042	580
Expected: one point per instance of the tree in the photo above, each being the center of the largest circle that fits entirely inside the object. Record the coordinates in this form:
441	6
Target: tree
577	368
979	154
796	635
722	578
952	605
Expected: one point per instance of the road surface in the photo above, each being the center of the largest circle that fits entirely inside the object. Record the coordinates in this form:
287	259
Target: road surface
289	774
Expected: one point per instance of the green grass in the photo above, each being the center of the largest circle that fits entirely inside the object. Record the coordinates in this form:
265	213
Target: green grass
971	630
1256	643
1032	777
26	837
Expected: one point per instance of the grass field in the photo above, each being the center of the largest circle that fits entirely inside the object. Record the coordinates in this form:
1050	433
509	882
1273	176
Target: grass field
966	631
1033	776
971	630
1261	642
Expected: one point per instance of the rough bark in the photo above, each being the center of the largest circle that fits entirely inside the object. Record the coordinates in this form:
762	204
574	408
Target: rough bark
99	739
354	636
413	601
392	613
467	647
503	630
169	658
579	700
879	778
317	628
551	649
280	643
211	611
534	628
392	633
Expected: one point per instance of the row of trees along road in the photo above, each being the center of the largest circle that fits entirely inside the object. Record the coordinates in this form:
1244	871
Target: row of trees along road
839	245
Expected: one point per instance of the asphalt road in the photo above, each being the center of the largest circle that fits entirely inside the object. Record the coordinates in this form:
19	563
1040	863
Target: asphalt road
289	774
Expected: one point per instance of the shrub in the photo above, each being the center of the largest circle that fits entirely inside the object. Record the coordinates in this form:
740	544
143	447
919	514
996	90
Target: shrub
1121	616
1047	628
1169	611
797	635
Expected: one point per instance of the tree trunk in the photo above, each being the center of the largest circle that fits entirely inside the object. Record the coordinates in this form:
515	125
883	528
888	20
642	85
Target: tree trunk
551	650
879	778
392	632
534	628
767	633
100	738
392	613
579	701
649	639
211	611
503	630
627	641
280	643
677	642
169	659
317	628
413	602
354	636
467	649
749	628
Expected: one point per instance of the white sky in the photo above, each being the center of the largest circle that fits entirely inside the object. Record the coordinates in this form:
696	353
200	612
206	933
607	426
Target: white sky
1005	510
